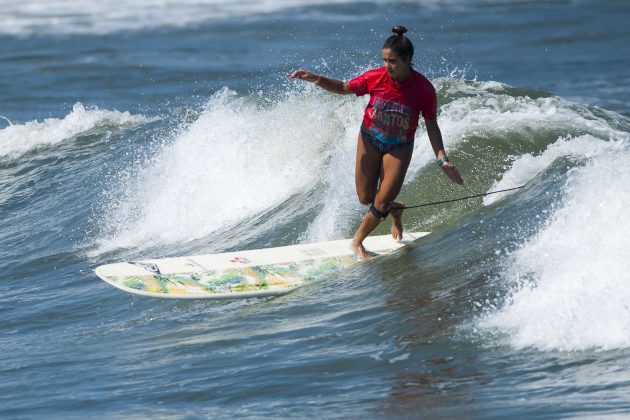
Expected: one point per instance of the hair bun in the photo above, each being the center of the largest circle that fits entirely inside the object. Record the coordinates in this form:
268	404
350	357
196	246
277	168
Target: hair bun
399	30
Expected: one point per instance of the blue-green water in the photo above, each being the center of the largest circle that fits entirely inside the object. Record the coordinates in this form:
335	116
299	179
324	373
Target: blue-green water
154	129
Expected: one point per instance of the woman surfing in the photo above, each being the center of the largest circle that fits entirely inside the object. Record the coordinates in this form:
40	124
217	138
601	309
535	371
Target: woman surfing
398	96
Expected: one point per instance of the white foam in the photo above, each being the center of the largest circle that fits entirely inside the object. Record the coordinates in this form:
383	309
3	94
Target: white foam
108	16
571	287
17	139
235	161
485	109
525	167
488	110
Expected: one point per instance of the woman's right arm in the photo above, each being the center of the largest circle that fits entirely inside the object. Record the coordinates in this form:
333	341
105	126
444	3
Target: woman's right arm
331	85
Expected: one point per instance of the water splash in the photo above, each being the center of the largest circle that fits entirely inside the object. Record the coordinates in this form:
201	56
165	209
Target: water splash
18	139
238	159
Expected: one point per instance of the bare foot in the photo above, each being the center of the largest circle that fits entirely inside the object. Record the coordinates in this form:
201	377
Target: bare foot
360	251
397	226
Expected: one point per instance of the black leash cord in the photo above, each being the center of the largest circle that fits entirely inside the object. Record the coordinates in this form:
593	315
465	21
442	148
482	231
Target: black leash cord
457	199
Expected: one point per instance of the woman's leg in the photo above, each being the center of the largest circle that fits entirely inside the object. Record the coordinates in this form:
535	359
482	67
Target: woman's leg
369	168
395	165
392	172
368	171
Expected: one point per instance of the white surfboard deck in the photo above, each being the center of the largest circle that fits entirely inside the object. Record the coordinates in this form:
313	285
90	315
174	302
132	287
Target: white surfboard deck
242	274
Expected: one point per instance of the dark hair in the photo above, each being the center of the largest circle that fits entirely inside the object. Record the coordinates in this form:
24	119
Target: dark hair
399	43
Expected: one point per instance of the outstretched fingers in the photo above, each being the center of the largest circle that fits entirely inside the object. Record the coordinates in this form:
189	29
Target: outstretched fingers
303	75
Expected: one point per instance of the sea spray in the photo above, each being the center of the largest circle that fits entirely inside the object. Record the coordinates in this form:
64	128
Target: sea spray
238	159
570	288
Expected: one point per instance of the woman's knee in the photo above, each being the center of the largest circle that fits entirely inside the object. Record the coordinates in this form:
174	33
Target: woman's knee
383	204
366	197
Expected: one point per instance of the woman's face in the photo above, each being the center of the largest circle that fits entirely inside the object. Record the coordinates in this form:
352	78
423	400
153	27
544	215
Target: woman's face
397	68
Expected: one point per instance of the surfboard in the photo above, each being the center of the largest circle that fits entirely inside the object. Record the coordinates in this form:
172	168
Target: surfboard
242	274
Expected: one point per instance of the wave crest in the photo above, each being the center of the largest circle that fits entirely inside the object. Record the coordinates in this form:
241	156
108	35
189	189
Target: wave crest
18	139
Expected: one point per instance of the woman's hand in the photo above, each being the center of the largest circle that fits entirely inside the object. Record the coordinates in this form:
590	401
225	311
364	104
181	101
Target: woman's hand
304	75
451	171
331	85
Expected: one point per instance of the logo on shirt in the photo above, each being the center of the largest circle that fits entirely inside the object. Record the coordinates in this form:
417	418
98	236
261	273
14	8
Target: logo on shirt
391	118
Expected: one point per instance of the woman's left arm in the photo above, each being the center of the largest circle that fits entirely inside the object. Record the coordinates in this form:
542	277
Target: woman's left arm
435	137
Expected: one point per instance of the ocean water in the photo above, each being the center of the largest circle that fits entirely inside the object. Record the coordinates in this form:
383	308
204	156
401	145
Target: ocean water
152	129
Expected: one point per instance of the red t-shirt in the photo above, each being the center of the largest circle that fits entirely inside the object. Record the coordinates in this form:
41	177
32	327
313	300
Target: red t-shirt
394	108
